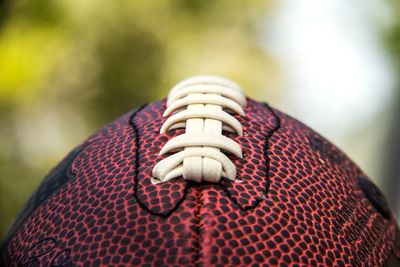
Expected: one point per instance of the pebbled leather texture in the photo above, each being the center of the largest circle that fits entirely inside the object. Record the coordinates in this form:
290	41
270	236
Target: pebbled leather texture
161	199
299	202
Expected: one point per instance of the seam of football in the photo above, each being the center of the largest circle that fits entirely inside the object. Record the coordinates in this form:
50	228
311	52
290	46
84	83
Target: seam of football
188	185
267	161
136	174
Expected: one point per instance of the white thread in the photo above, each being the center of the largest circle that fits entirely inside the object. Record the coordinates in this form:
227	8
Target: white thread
200	104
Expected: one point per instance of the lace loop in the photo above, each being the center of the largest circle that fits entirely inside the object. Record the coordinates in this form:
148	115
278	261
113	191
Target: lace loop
200	105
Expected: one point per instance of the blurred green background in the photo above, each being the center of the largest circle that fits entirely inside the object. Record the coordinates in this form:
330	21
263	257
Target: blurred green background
68	67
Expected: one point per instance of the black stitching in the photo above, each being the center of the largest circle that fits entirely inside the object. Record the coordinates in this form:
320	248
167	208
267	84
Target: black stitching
266	147
189	184
137	157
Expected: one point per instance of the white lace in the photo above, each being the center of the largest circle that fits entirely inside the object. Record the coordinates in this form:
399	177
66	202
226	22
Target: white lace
200	105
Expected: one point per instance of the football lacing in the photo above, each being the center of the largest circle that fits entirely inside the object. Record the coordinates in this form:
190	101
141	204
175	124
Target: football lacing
201	105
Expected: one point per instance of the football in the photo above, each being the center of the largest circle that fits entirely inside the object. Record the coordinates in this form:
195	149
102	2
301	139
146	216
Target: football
206	177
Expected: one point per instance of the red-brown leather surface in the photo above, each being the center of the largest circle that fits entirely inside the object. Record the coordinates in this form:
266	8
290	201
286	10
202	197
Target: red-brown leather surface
297	201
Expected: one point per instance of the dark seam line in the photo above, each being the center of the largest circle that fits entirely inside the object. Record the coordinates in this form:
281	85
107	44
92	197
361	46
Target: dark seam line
267	160
137	165
189	184
267	143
